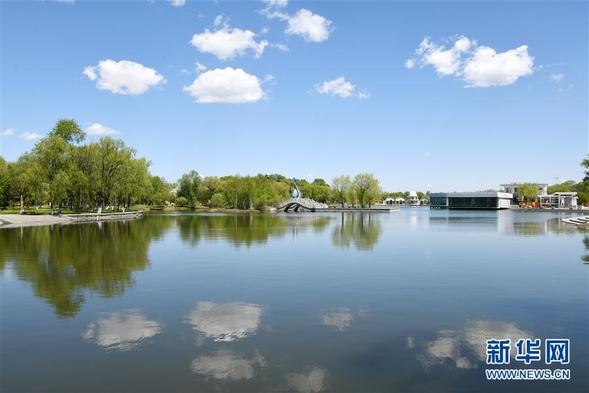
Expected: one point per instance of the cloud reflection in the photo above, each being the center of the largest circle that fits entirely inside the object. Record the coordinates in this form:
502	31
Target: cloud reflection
312	382
227	365
466	347
340	319
121	330
225	322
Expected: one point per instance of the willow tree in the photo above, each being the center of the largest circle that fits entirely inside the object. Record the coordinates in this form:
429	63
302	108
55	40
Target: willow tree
366	188
54	157
527	192
342	186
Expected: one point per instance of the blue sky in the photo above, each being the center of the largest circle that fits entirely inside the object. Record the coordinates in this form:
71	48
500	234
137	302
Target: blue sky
497	94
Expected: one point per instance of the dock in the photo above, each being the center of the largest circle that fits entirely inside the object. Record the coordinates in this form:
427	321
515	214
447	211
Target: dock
580	220
23	220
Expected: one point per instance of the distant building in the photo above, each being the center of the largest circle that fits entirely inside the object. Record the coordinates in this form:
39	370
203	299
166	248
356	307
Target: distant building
394	201
413	199
470	200
559	200
512	188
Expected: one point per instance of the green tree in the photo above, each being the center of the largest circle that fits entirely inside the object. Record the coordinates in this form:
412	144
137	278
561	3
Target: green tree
160	190
189	187
113	158
4	183
527	192
366	188
320	190
342	187
218	200
68	130
565	186
54	156
585	164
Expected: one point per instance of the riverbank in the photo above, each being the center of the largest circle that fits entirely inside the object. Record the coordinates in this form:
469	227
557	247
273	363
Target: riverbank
22	220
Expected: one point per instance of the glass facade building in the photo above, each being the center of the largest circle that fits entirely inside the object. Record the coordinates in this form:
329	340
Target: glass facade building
471	200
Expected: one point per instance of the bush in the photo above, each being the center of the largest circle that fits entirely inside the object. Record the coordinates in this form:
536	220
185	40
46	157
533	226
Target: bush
217	200
181	202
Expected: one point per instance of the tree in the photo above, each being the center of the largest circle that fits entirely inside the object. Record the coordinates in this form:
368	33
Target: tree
68	130
4	183
217	200
565	186
112	158
320	190
160	190
54	156
189	187
342	186
585	164
366	188
527	192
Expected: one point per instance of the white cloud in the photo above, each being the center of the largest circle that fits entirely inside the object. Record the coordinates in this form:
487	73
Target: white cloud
177	3
281	47
363	95
123	77
276	3
225	322
488	68
557	77
30	136
445	61
336	87
269	78
225	85
7	132
477	65
427	153
221	20
200	67
227	43
225	364
99	129
312	27
121	330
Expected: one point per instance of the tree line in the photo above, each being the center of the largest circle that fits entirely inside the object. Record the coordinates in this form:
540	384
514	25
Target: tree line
64	171
261	191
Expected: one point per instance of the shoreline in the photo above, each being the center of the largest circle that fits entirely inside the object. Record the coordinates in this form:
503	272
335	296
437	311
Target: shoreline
8	221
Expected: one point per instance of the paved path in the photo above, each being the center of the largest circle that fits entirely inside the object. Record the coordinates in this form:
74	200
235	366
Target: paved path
19	220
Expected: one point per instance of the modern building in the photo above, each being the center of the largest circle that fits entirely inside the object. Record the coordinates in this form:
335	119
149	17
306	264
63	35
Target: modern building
470	200
559	200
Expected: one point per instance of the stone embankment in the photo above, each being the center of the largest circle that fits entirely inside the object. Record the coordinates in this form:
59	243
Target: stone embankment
20	220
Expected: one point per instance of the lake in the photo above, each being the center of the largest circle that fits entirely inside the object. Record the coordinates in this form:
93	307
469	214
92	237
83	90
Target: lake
399	302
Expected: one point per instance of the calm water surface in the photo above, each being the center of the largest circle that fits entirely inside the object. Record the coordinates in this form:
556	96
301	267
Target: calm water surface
399	302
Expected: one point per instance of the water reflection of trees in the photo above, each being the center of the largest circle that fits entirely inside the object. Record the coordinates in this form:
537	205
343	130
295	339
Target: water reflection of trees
585	257
246	229
362	230
63	262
